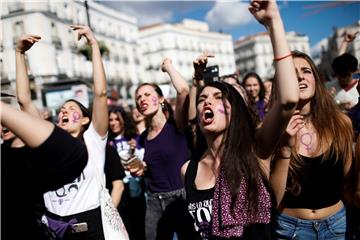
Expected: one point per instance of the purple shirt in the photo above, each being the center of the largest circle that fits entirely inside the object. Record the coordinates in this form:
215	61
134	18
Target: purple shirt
164	156
260	108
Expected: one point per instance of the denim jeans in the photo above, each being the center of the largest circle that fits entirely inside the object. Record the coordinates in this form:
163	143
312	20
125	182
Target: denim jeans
166	214
331	228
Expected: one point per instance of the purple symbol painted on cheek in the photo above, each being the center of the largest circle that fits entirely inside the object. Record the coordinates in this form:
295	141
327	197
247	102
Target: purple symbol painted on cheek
154	100
221	110
76	117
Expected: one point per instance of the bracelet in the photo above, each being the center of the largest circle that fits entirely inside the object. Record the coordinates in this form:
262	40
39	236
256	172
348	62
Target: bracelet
282	157
276	59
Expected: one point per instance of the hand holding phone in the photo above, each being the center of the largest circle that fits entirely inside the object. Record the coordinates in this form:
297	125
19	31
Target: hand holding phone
200	64
211	74
126	156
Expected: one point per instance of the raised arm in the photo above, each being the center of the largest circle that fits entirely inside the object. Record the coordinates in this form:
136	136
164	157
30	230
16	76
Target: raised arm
99	111
23	94
198	81
281	161
182	93
348	38
32	130
275	122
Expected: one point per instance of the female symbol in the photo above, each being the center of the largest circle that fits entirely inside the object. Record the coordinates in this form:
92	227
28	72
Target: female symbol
76	117
306	139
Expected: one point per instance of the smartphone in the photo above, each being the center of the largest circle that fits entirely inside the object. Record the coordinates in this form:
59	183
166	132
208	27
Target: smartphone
211	74
80	227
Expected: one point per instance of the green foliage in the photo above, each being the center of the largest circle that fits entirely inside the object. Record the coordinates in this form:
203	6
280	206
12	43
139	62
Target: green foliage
87	52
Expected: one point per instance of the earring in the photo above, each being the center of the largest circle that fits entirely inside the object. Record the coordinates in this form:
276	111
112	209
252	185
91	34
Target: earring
162	105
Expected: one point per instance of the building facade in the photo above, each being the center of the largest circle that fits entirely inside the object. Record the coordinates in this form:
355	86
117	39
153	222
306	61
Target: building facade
59	56
183	43
330	52
255	54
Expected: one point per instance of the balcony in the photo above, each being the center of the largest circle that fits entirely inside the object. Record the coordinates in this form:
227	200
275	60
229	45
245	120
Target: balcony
56	41
73	47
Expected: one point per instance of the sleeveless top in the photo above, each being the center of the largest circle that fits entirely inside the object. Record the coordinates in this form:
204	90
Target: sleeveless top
200	206
164	156
321	184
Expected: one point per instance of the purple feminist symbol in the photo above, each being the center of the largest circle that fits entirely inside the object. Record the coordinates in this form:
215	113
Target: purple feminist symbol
306	140
221	110
154	100
75	117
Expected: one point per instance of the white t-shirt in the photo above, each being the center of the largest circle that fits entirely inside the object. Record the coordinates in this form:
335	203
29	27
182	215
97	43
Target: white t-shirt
343	96
83	193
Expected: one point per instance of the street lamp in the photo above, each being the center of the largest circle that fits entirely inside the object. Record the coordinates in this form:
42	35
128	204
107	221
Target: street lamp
87	13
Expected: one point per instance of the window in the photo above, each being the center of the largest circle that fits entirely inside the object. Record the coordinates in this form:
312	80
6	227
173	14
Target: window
3	74
18	29
55	37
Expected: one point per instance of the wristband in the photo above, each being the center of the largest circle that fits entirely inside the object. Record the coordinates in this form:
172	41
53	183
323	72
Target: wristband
276	59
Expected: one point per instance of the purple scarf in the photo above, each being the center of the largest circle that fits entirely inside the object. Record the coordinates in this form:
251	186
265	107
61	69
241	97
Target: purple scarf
60	227
225	224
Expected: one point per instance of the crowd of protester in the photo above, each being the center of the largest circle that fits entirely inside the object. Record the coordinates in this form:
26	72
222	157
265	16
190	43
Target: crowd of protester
237	158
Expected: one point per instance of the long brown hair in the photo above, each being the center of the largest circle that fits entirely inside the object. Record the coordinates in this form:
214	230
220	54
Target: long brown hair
128	123
332	126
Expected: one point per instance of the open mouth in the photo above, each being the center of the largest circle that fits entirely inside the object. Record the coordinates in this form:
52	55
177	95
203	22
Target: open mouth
64	120
143	107
302	86
5	130
207	116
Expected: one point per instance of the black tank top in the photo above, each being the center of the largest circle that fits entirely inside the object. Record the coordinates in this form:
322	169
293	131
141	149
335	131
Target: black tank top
199	204
321	184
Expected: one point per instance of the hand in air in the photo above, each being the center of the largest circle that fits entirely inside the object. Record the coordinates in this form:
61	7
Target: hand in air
86	32
264	11
200	65
25	42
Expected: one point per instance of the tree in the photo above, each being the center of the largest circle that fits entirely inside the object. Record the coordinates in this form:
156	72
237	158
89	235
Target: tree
86	50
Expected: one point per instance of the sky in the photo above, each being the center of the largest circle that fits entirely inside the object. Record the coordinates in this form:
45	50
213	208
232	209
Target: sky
316	19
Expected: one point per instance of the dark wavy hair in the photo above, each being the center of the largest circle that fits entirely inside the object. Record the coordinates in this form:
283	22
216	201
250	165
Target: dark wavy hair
239	160
129	125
